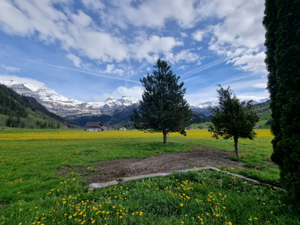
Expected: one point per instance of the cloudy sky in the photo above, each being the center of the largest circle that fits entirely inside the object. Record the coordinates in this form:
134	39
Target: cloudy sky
92	49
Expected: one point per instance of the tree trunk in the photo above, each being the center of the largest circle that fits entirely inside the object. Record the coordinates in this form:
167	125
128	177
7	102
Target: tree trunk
165	138
236	146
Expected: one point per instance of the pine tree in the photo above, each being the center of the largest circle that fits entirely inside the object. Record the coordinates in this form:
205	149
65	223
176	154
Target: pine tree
232	118
163	108
283	84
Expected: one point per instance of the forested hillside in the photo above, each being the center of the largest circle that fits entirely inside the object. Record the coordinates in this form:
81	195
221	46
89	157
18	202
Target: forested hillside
25	112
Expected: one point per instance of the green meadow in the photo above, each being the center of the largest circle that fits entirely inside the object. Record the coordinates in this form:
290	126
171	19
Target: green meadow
33	192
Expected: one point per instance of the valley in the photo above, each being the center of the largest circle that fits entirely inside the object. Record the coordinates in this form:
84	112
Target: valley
112	111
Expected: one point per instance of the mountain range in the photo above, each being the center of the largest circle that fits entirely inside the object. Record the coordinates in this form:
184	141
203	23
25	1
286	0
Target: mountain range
25	112
66	107
72	108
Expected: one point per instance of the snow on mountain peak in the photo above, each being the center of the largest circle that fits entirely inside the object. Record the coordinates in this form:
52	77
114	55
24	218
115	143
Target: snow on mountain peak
10	83
109	99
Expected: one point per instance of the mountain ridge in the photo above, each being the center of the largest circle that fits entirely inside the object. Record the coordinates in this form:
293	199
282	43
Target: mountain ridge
25	112
64	106
72	108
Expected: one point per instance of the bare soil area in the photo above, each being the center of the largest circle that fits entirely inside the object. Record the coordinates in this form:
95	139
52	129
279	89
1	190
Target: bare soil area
167	162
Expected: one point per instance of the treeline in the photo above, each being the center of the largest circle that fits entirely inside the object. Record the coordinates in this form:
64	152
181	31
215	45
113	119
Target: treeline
121	118
31	123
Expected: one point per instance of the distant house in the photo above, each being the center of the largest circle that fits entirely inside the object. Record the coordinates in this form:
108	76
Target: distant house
122	128
107	127
205	127
257	127
110	128
93	126
189	128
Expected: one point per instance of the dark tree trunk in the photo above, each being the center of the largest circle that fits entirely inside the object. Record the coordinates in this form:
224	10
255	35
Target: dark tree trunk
236	146
165	138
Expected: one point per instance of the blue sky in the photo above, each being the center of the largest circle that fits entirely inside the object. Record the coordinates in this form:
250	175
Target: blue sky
92	49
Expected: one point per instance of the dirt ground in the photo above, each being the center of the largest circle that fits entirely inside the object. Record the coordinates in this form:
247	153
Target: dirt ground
167	162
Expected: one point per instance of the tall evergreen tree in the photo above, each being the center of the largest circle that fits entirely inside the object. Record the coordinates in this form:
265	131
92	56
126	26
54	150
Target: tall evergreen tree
232	118
271	24
282	20
163	108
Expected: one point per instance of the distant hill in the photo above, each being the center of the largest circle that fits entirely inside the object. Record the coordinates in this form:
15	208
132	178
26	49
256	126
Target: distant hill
264	112
25	112
120	117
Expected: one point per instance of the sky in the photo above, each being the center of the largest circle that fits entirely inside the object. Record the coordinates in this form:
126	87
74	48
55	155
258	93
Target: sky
90	50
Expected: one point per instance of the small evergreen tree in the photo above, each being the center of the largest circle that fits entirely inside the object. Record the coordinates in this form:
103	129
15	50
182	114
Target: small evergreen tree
163	108
232	118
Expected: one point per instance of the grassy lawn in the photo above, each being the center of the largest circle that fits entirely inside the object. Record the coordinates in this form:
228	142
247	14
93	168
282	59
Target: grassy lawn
262	121
30	160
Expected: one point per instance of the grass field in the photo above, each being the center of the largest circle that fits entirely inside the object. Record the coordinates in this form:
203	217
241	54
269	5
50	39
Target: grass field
32	192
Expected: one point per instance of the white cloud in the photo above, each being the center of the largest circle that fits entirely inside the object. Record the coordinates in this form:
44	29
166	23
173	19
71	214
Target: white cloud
148	69
93	4
151	13
240	32
250	62
77	31
36	83
81	19
76	60
183	67
260	85
184	55
183	34
150	48
110	68
134	91
238	35
198	35
9	68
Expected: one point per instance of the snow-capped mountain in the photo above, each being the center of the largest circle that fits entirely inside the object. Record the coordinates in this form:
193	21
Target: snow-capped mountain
261	101
204	105
63	106
68	107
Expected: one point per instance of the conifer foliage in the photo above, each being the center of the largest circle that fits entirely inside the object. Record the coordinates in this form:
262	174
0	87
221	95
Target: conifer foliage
163	108
232	118
282	23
